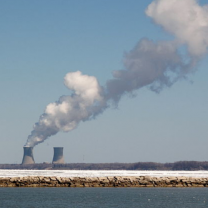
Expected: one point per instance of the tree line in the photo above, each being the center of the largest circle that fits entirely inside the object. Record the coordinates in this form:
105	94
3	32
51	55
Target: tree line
180	165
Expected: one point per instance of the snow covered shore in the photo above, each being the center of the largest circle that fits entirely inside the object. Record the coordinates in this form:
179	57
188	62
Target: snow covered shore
100	173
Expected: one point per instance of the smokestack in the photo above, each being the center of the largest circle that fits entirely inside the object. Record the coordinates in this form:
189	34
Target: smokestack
28	156
58	155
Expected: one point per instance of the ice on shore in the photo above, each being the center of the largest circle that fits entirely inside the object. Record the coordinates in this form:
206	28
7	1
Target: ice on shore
100	173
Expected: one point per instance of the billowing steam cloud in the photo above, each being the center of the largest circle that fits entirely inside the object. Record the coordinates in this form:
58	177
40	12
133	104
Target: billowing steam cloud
84	103
185	19
152	64
149	64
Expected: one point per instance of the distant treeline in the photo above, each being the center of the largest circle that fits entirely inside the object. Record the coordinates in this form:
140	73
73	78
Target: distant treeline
181	165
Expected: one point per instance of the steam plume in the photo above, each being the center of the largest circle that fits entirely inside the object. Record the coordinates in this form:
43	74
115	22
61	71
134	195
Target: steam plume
152	64
149	64
185	19
84	103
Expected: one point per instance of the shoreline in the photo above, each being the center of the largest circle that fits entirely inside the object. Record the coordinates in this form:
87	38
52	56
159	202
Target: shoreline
101	173
111	181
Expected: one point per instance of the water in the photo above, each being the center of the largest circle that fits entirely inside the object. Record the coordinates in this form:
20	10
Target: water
103	197
100	173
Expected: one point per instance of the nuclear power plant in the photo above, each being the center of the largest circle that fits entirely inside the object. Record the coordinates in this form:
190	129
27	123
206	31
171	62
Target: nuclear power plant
28	156
58	155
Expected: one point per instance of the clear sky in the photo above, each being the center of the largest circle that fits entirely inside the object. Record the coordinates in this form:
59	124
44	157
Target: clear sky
41	41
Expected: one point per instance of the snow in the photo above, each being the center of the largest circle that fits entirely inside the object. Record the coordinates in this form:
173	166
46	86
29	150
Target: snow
100	173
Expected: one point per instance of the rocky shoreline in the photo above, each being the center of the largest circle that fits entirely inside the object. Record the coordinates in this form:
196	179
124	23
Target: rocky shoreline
117	181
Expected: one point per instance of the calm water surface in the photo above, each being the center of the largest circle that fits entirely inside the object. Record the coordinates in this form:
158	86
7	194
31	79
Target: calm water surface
103	197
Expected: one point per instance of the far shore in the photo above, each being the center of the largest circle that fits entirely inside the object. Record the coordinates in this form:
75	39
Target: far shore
174	166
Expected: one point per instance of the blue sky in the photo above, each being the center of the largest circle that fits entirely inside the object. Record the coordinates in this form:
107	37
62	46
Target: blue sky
41	41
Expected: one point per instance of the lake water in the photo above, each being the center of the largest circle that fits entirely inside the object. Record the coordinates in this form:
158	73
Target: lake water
103	197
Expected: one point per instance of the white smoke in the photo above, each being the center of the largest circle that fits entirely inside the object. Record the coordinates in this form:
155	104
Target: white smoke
85	102
152	64
185	19
149	64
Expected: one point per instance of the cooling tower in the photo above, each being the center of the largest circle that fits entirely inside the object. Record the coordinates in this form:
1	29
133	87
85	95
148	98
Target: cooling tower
28	156
58	155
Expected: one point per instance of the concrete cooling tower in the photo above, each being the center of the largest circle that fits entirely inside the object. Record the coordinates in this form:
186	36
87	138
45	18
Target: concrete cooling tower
28	156
58	155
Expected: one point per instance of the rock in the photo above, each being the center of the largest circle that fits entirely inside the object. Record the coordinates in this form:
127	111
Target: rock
117	181
53	178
